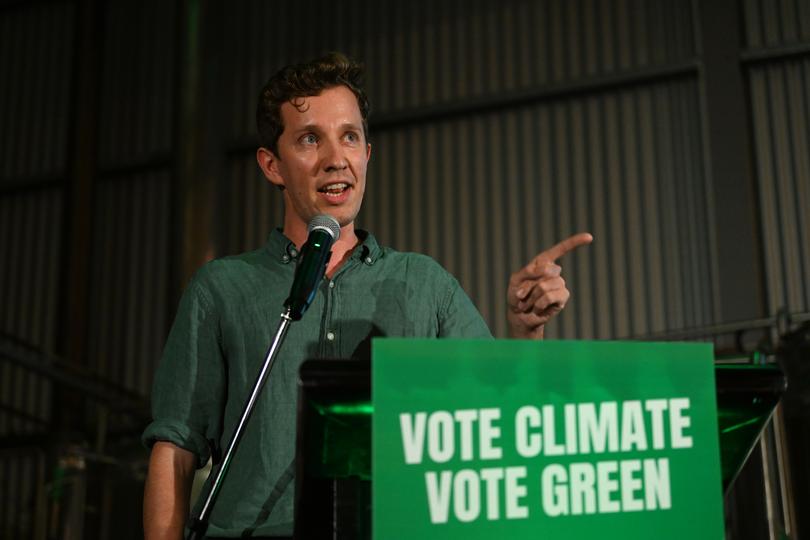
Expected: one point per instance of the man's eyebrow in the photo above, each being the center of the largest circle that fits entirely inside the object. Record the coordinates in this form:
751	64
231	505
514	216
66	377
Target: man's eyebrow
317	127
308	127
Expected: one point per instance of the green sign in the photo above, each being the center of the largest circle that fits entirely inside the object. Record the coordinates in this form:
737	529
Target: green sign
558	439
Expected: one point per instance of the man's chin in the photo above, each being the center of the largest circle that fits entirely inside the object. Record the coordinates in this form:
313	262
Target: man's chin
344	221
344	216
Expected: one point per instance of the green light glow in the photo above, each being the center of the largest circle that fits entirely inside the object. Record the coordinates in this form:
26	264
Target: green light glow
357	408
741	425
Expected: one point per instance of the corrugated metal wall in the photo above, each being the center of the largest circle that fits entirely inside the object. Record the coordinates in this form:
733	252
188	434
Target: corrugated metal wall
130	250
128	299
771	23
422	53
30	240
781	99
22	496
249	208
498	129
138	84
778	67
479	163
131	246
34	111
35	83
35	89
485	192
519	124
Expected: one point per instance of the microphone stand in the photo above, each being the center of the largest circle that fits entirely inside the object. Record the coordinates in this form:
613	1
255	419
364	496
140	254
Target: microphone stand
199	525
323	231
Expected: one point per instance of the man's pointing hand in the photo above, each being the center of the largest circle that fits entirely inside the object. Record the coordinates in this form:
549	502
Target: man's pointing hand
537	291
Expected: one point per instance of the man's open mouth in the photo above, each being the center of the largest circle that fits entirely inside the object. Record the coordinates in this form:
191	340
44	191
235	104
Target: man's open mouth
335	189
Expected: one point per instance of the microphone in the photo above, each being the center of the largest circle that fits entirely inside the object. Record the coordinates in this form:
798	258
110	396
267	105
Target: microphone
323	231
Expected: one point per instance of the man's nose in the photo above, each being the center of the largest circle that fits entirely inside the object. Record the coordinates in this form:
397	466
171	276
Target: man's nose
333	157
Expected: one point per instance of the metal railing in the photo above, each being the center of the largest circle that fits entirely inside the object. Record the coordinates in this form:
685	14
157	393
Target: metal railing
62	485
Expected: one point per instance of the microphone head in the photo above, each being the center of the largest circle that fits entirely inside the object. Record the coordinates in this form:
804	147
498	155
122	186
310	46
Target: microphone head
326	223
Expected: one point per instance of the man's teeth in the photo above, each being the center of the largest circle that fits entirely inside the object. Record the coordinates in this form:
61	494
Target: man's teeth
334	189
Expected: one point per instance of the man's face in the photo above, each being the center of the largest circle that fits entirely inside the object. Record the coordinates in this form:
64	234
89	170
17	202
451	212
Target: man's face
322	157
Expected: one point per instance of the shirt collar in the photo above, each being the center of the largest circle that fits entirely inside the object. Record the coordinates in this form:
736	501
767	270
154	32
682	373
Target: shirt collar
283	250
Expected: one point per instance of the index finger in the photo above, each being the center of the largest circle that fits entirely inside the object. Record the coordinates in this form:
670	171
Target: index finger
570	243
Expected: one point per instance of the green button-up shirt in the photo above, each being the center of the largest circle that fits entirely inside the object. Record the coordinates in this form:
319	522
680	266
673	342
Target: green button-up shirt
226	321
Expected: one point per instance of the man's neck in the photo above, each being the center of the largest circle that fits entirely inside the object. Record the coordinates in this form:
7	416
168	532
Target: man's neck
341	250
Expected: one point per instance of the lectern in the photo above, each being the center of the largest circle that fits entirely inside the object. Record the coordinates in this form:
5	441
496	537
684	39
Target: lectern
333	477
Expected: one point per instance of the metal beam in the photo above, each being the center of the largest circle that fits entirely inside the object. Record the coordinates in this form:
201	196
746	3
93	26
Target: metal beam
785	52
196	168
729	150
79	199
76	379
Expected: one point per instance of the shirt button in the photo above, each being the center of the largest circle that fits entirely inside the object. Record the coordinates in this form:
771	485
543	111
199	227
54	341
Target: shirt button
331	284
330	336
285	258
368	260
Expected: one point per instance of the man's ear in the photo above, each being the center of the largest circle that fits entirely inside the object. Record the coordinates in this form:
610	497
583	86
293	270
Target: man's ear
368	151
268	163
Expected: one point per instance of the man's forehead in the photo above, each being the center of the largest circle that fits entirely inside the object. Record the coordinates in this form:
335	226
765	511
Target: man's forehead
334	103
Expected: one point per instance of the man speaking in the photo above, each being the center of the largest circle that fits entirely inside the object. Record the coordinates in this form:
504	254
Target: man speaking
313	130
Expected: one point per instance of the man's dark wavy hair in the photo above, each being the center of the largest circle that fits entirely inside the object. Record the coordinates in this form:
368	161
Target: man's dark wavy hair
304	80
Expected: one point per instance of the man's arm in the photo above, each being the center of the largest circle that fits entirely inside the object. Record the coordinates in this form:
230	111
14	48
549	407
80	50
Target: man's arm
537	292
168	487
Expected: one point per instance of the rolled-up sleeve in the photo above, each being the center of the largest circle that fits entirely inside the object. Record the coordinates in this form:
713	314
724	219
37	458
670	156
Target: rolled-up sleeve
189	387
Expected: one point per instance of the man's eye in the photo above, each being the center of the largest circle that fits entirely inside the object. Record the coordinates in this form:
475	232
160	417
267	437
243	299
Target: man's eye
309	138
352	137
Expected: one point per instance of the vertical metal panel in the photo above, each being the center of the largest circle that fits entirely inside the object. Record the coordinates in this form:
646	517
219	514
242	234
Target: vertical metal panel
21	485
774	23
421	53
35	82
21	476
652	226
251	206
30	245
131	237
623	165
598	216
617	262
137	96
780	95
130	277
578	319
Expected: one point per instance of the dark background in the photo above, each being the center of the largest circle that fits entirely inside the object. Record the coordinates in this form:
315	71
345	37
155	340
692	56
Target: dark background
677	132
